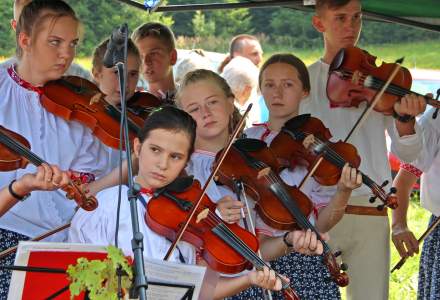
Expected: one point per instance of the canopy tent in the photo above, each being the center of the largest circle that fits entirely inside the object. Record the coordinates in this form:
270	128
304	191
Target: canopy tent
421	13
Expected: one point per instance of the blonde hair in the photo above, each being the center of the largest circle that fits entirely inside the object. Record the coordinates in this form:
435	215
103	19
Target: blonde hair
201	75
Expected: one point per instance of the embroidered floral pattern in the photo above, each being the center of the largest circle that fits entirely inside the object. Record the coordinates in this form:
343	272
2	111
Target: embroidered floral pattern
8	239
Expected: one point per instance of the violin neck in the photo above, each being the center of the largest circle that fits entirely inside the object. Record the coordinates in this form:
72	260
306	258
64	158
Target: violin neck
396	90
20	149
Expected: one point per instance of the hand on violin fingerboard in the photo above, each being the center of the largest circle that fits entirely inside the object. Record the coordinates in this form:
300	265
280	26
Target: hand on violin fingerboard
411	105
47	178
350	179
266	279
230	209
306	242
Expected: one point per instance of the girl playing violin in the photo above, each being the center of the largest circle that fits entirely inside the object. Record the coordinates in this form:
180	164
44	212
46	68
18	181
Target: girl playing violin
163	148
46	178
208	99
47	35
426	167
284	82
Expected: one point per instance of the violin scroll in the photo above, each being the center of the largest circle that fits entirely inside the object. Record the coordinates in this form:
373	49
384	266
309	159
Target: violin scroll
338	276
75	191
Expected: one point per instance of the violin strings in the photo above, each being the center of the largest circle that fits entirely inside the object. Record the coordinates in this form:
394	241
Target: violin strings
20	149
340	162
215	221
378	83
303	220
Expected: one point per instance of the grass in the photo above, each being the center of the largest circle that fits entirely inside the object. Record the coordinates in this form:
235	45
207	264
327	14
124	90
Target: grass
403	282
422	55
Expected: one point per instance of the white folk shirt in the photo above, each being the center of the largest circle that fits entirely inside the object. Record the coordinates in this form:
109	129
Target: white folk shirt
69	145
200	166
98	227
369	139
319	195
429	163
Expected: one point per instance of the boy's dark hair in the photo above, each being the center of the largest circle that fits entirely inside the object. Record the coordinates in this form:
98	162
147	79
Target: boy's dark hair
170	118
98	54
332	4
292	60
156	30
32	17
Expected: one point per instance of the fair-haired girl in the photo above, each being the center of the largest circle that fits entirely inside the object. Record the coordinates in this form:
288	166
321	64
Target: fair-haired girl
47	34
208	99
163	148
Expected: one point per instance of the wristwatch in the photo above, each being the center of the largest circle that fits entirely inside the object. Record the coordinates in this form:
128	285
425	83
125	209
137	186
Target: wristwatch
15	195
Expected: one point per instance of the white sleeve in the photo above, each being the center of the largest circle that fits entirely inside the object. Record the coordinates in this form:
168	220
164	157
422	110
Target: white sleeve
431	141
93	227
407	147
92	156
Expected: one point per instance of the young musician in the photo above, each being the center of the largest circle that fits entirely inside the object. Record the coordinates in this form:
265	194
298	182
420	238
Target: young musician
363	233
208	99
46	178
158	52
284	83
163	148
427	167
47	35
107	78
74	69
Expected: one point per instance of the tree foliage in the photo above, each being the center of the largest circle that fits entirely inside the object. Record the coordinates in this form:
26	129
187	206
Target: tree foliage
280	28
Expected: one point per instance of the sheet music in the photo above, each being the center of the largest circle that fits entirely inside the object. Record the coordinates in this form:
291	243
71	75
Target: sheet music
156	270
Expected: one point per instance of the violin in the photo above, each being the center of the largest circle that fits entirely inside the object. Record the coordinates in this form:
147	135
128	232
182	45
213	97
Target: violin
15	153
227	248
75	98
354	78
279	206
290	151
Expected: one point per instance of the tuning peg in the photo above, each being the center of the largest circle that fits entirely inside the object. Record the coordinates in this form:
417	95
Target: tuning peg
380	207
384	183
372	199
344	267
337	253
393	190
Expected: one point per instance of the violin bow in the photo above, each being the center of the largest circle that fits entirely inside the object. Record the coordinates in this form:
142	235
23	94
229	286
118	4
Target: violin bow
376	99
13	249
361	119
250	226
420	239
205	186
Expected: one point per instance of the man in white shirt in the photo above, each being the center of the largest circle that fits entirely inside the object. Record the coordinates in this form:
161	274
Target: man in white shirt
363	233
74	69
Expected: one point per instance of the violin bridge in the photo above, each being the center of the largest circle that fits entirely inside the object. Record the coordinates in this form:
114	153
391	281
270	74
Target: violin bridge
356	78
202	215
263	172
96	98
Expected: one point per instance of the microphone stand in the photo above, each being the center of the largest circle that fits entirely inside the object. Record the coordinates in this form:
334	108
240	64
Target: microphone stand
140	278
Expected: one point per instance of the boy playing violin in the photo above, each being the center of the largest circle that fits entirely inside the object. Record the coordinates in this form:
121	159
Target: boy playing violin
363	233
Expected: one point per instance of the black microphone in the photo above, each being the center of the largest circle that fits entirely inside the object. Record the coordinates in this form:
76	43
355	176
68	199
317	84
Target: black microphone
115	47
